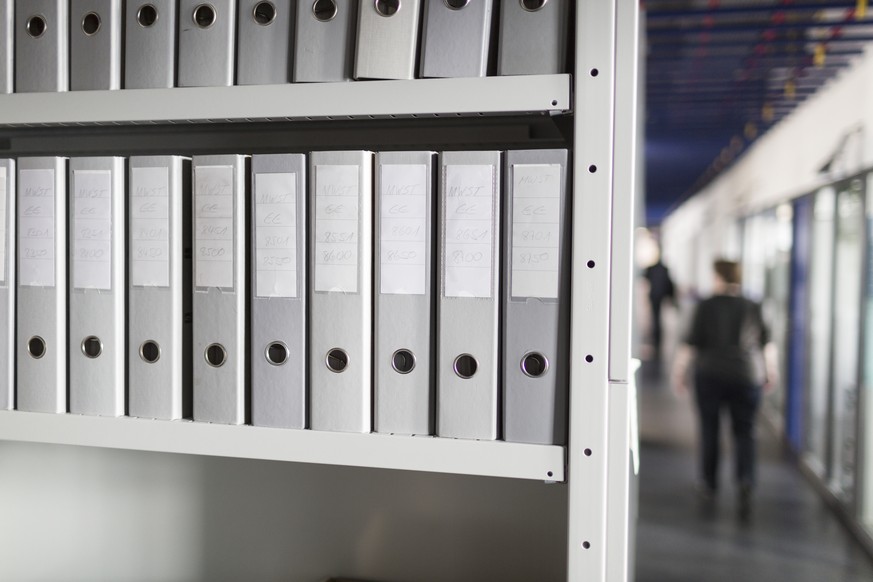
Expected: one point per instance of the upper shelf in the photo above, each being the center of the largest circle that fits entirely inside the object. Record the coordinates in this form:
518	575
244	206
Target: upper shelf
360	99
436	455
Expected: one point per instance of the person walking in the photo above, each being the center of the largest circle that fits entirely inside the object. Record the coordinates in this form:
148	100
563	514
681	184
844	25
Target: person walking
734	359
660	289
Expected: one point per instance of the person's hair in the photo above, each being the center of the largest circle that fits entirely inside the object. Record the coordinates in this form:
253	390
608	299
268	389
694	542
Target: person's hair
729	271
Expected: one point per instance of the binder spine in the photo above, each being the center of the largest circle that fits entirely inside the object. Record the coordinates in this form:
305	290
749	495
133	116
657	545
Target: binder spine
265	41
220	299
41	46
533	37
467	396
387	39
405	321
150	44
41	347
456	41
207	35
278	349
341	291
535	297
7	284
158	349
7	47
95	45
325	41
97	286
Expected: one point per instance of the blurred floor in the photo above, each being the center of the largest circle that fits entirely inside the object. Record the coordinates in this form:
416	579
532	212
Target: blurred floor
792	536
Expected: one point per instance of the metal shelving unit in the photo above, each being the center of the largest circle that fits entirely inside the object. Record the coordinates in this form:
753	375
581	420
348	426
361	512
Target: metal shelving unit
483	458
540	94
601	102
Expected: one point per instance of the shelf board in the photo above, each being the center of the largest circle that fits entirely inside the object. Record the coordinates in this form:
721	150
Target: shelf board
355	100
437	455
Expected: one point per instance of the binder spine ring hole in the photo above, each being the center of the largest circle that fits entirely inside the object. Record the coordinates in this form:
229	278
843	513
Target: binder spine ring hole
337	360
147	15
36	347
534	365
264	13
36	26
92	347
204	15
324	10
387	8
403	361
150	351
277	353
216	355
533	5
465	366
91	24
456	4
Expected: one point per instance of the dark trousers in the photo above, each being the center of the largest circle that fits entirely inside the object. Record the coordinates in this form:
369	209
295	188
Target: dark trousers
742	400
657	330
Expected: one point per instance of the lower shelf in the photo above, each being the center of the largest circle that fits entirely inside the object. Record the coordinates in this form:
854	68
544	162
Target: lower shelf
437	455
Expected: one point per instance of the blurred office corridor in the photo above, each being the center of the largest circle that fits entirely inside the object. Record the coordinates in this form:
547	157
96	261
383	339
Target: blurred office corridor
792	536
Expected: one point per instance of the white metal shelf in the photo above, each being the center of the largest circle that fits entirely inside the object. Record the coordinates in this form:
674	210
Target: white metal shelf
355	100
430	454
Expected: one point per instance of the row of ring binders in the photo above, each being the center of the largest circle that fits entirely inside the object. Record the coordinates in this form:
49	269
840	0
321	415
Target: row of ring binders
402	292
60	45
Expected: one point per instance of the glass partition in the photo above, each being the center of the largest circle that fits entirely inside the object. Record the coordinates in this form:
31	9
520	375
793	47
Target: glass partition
866	505
848	266
820	295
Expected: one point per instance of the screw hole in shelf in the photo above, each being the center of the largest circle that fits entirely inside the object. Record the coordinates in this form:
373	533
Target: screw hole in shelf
586	545
592	169
587	452
550	474
590	264
589	358
594	72
554	102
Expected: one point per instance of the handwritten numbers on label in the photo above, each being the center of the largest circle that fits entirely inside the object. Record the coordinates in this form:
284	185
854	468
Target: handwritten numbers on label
276	235
150	227
36	228
403	233
214	227
337	216
469	212
536	232
3	193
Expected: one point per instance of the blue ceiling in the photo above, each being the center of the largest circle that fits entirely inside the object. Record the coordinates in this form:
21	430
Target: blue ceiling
720	73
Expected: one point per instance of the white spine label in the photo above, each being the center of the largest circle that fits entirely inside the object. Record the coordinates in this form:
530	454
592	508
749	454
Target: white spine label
337	215
276	235
3	194
214	227
536	230
36	224
150	227
403	229
469	231
92	229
